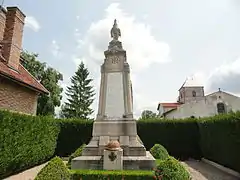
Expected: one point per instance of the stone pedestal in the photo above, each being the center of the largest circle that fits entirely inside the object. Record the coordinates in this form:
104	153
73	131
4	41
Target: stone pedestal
113	160
115	120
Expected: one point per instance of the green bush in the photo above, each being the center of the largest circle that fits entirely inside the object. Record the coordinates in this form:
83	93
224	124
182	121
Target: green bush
111	175
54	170
25	141
171	169
73	133
77	153
179	137
159	152
220	139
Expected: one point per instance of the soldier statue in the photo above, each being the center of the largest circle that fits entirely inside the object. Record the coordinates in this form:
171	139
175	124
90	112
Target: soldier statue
115	31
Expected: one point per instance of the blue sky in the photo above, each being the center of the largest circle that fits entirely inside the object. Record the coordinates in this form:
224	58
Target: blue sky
166	42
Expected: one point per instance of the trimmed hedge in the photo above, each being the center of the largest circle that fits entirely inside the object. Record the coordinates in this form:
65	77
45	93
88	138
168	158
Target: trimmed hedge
25	141
54	170
171	169
159	152
179	137
220	139
116	175
73	133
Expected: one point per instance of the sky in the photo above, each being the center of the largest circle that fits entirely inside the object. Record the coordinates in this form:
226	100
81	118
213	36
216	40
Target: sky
166	42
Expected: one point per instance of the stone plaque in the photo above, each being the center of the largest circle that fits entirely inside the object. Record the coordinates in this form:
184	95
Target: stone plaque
114	96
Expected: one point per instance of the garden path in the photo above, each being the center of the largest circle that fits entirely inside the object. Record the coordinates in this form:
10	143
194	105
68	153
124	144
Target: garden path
203	171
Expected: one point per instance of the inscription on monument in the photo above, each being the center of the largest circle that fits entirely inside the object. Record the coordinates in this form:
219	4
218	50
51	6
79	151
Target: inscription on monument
114	59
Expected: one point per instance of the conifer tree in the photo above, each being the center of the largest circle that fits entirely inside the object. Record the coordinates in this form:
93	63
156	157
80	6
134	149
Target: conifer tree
80	95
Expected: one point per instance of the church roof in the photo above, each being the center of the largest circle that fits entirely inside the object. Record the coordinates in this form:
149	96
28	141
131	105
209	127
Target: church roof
191	82
168	105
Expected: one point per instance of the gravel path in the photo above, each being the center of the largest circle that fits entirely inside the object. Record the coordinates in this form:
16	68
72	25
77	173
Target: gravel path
202	171
29	174
198	170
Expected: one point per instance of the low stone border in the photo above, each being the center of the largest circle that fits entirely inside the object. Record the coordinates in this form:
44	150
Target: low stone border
222	168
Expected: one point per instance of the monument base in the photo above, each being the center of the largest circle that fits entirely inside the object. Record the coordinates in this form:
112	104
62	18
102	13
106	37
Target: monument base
123	130
129	162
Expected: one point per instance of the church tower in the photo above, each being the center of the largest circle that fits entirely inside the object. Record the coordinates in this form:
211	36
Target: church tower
191	91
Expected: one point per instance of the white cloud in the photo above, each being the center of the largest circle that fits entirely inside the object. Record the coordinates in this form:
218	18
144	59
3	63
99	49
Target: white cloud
143	49
32	23
55	49
225	77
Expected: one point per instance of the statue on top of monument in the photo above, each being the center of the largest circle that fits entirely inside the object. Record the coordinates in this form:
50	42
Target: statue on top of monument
115	31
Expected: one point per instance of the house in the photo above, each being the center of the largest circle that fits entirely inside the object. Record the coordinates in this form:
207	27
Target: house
192	102
19	90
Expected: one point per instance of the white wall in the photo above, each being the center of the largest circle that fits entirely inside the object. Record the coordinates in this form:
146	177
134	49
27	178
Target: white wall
207	106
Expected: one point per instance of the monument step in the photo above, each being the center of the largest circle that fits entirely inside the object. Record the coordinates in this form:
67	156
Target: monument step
129	162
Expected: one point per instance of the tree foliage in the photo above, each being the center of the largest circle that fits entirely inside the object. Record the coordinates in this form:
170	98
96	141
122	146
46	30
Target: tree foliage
148	114
80	95
49	78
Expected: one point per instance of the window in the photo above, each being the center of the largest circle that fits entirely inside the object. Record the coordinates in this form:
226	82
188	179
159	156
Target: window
221	108
194	93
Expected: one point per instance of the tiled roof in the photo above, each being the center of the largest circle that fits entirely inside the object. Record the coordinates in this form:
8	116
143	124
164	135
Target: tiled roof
169	104
22	76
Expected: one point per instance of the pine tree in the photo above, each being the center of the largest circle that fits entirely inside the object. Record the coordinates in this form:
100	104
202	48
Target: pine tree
80	95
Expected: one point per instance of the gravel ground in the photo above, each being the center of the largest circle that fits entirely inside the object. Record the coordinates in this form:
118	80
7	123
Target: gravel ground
202	171
29	174
198	170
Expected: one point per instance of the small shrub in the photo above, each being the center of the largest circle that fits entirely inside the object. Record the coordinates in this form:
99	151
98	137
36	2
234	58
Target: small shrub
171	169
109	175
77	153
54	170
159	152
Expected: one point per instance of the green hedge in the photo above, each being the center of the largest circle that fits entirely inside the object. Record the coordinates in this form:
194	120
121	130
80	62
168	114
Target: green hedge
171	169
73	133
179	137
25	141
220	139
159	152
111	175
54	170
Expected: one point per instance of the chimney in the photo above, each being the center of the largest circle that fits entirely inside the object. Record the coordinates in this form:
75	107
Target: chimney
12	39
2	21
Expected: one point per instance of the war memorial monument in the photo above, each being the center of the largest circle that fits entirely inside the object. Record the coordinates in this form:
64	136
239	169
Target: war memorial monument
115	143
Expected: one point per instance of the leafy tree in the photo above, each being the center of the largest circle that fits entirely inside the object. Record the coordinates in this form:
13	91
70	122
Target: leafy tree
146	114
80	95
49	78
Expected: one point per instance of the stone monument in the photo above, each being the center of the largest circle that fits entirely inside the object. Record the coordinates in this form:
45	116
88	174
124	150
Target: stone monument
115	120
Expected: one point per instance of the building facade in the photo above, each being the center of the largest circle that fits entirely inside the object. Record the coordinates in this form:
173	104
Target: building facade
19	90
193	103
